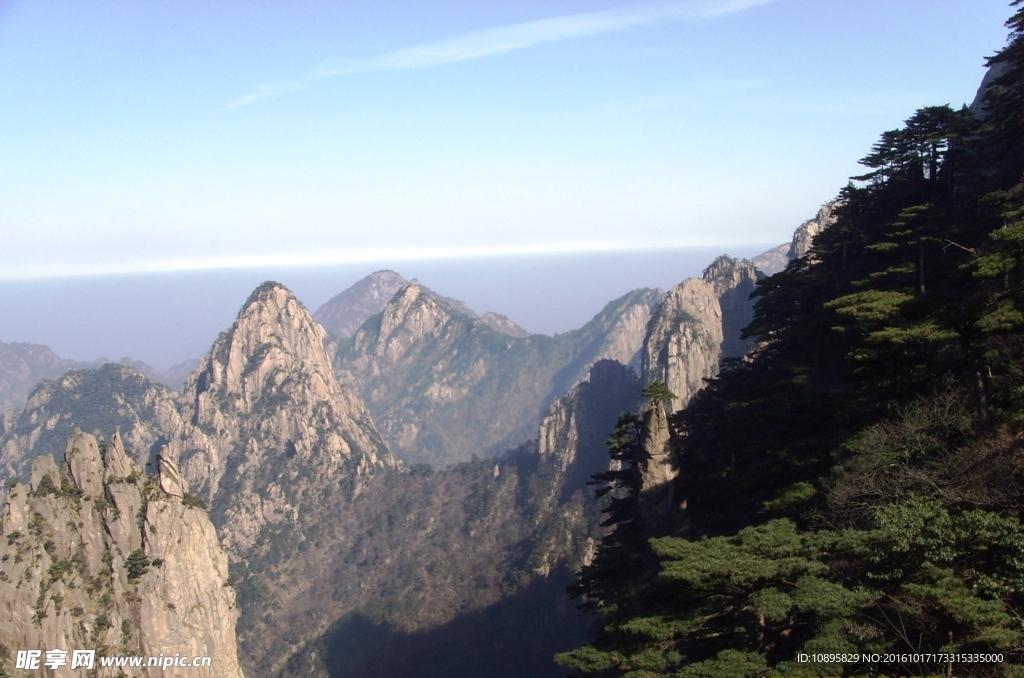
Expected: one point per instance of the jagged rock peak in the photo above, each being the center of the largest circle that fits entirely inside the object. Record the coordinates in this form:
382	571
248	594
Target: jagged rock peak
270	420
345	312
684	340
803	238
273	331
727	273
124	569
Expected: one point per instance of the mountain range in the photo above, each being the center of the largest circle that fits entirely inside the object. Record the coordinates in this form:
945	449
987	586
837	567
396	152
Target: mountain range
315	457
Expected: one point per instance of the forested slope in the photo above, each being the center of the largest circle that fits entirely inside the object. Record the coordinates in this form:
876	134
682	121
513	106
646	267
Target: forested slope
857	486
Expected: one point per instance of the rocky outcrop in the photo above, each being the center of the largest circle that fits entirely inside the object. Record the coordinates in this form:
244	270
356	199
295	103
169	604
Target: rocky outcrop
97	556
658	468
684	341
272	429
95	400
803	238
733	281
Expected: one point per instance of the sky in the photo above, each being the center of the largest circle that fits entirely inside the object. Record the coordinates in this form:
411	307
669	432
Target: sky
145	136
201	136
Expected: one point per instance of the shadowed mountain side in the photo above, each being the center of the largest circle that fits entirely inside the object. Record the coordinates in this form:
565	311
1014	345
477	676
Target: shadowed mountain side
513	638
443	386
420	549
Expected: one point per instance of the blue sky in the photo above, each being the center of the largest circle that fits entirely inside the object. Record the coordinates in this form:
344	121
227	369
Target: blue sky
162	136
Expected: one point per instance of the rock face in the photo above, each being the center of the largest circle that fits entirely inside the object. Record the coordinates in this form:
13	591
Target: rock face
684	341
97	556
658	469
443	386
273	430
576	428
803	238
733	281
95	400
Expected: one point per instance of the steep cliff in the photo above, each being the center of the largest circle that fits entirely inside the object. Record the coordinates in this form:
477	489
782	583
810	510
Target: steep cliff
803	237
684	340
273	431
733	281
576	428
100	555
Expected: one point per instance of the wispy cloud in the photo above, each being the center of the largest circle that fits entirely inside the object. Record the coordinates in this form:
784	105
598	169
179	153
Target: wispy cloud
503	39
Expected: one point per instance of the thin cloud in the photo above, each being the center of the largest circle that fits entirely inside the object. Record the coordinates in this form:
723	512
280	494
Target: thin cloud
503	39
387	255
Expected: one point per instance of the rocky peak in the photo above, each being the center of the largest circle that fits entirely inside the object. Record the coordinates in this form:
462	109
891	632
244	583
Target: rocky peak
272	335
273	428
684	340
803	238
733	281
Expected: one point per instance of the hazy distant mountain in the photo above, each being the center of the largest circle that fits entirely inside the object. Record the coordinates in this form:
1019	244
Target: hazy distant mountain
772	261
443	385
343	314
21	368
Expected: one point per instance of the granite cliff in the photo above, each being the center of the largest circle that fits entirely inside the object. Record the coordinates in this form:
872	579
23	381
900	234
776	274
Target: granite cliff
98	554
803	237
271	431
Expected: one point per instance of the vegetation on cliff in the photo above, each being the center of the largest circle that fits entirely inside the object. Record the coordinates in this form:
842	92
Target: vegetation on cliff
856	487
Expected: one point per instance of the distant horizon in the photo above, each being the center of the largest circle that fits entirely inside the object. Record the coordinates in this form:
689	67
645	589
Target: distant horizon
205	134
165	318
